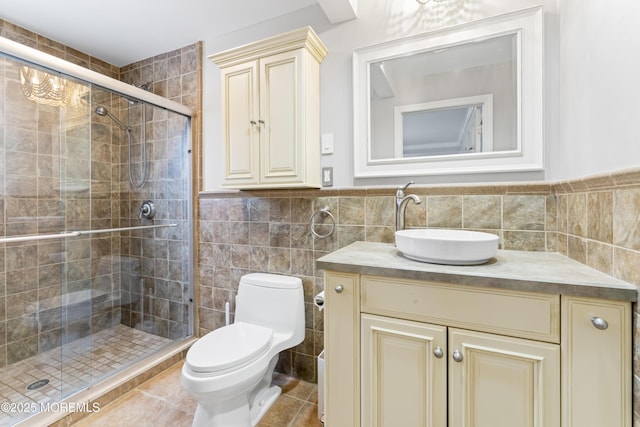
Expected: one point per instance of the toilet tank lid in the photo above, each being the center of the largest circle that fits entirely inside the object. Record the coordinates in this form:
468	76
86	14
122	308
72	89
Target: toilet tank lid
272	280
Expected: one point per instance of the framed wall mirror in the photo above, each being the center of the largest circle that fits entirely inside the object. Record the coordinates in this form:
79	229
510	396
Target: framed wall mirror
466	99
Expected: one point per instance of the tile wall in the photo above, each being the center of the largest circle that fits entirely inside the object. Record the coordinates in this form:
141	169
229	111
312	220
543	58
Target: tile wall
270	232
160	301
593	221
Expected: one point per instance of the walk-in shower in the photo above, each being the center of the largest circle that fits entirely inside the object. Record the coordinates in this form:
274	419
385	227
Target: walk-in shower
89	285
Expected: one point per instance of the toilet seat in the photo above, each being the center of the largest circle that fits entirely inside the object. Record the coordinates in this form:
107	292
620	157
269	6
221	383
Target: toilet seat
228	347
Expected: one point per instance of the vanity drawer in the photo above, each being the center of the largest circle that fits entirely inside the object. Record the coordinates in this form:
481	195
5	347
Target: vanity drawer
518	314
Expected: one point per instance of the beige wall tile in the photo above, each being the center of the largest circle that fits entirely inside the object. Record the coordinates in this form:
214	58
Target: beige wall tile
524	240
600	256
523	212
351	210
626	225
444	211
577	214
380	211
577	249
482	212
627	265
600	216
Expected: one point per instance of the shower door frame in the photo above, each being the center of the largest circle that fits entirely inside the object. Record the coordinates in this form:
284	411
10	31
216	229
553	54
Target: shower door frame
42	59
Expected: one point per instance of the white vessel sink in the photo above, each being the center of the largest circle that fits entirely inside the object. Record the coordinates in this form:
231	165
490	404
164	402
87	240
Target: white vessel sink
443	246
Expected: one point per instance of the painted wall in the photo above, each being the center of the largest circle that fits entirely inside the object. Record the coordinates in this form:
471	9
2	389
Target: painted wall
599	88
590	81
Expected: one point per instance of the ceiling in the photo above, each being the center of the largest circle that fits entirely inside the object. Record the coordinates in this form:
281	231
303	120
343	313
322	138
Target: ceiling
121	32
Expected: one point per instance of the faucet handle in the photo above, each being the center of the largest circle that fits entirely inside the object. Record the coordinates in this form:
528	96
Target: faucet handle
405	187
400	190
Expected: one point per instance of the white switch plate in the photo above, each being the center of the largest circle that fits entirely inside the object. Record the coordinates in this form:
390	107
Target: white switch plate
327	177
327	143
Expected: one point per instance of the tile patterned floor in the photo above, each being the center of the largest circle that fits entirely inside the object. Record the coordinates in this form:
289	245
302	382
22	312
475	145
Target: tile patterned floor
71	368
162	401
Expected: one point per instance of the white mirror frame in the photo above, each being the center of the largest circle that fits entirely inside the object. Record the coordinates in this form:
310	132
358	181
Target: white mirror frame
527	25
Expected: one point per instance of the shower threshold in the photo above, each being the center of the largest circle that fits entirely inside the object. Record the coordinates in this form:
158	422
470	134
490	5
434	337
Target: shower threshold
70	369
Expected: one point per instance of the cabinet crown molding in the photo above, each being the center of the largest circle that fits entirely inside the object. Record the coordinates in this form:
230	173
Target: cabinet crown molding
303	37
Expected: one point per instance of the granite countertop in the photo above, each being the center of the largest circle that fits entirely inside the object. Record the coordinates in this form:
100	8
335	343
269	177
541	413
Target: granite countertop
518	270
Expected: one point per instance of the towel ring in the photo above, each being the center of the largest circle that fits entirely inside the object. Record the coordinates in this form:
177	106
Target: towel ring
324	211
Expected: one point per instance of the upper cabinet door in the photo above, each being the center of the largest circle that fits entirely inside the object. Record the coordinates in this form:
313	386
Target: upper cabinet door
497	381
282	124
240	110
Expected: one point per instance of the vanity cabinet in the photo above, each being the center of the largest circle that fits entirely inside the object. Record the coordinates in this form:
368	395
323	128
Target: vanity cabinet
425	353
271	111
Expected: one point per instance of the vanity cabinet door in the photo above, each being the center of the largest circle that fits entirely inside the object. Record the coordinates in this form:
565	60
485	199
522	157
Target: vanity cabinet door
404	373
342	350
498	381
596	363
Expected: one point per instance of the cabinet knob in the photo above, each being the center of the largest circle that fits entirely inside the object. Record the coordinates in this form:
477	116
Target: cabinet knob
253	122
599	323
438	353
261	121
339	289
457	356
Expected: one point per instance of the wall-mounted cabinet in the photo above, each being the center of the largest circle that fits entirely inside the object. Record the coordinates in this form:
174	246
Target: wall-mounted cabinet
271	111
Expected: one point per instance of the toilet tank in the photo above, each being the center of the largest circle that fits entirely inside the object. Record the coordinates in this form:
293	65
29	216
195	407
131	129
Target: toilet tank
272	300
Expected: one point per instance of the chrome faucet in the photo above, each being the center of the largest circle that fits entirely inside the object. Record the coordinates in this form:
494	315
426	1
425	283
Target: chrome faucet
401	204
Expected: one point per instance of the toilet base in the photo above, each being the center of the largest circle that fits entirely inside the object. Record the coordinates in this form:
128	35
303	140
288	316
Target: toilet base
236	412
263	402
243	410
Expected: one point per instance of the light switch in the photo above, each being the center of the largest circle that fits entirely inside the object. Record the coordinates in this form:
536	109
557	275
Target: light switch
327	143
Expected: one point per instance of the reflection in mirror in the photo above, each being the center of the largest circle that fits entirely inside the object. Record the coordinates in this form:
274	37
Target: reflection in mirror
457	126
430	97
464	99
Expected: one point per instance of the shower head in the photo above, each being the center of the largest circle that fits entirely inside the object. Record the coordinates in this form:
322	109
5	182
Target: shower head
101	111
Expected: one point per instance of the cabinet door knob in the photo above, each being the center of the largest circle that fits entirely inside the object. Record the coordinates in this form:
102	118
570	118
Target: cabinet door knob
339	289
261	121
599	323
253	122
438	353
457	356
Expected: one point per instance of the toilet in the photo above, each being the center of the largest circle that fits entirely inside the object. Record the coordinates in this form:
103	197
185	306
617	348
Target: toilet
228	371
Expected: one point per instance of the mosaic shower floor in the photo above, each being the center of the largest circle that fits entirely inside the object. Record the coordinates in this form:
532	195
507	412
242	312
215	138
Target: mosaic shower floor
69	369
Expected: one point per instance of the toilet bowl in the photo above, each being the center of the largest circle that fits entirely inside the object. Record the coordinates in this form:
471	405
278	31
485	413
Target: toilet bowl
229	370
